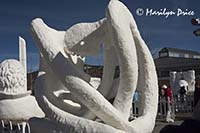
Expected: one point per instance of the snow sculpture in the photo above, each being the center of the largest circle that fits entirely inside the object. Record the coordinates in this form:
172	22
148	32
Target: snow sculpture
189	76
16	104
172	80
12	77
184	79
22	57
63	90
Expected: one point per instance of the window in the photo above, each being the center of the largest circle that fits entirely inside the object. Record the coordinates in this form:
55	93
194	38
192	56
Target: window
196	56
164	74
186	55
197	72
163	54
173	54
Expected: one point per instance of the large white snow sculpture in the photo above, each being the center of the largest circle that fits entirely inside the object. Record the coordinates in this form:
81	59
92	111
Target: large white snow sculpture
63	90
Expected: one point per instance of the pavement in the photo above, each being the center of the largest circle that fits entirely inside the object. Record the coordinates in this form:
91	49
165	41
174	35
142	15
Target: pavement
160	124
180	117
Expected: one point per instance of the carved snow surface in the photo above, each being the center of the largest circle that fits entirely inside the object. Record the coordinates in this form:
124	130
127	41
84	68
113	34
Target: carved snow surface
16	103
12	77
63	89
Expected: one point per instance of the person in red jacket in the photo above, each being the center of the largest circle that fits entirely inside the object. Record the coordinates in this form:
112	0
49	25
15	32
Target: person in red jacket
169	97
168	93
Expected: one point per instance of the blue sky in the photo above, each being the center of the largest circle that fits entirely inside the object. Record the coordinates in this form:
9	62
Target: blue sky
157	31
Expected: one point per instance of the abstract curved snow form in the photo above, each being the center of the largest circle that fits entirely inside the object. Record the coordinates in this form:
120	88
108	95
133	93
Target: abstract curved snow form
16	103
63	90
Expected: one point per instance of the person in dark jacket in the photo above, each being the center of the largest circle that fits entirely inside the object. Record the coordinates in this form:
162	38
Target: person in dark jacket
196	94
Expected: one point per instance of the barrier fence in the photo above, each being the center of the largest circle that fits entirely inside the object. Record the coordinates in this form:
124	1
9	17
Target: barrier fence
179	104
184	103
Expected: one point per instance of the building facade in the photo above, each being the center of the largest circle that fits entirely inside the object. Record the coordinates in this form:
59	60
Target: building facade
172	59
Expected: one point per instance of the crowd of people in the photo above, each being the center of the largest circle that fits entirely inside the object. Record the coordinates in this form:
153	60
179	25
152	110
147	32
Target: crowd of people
166	95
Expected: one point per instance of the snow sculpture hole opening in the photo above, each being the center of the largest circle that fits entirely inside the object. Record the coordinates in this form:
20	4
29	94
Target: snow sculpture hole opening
82	43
